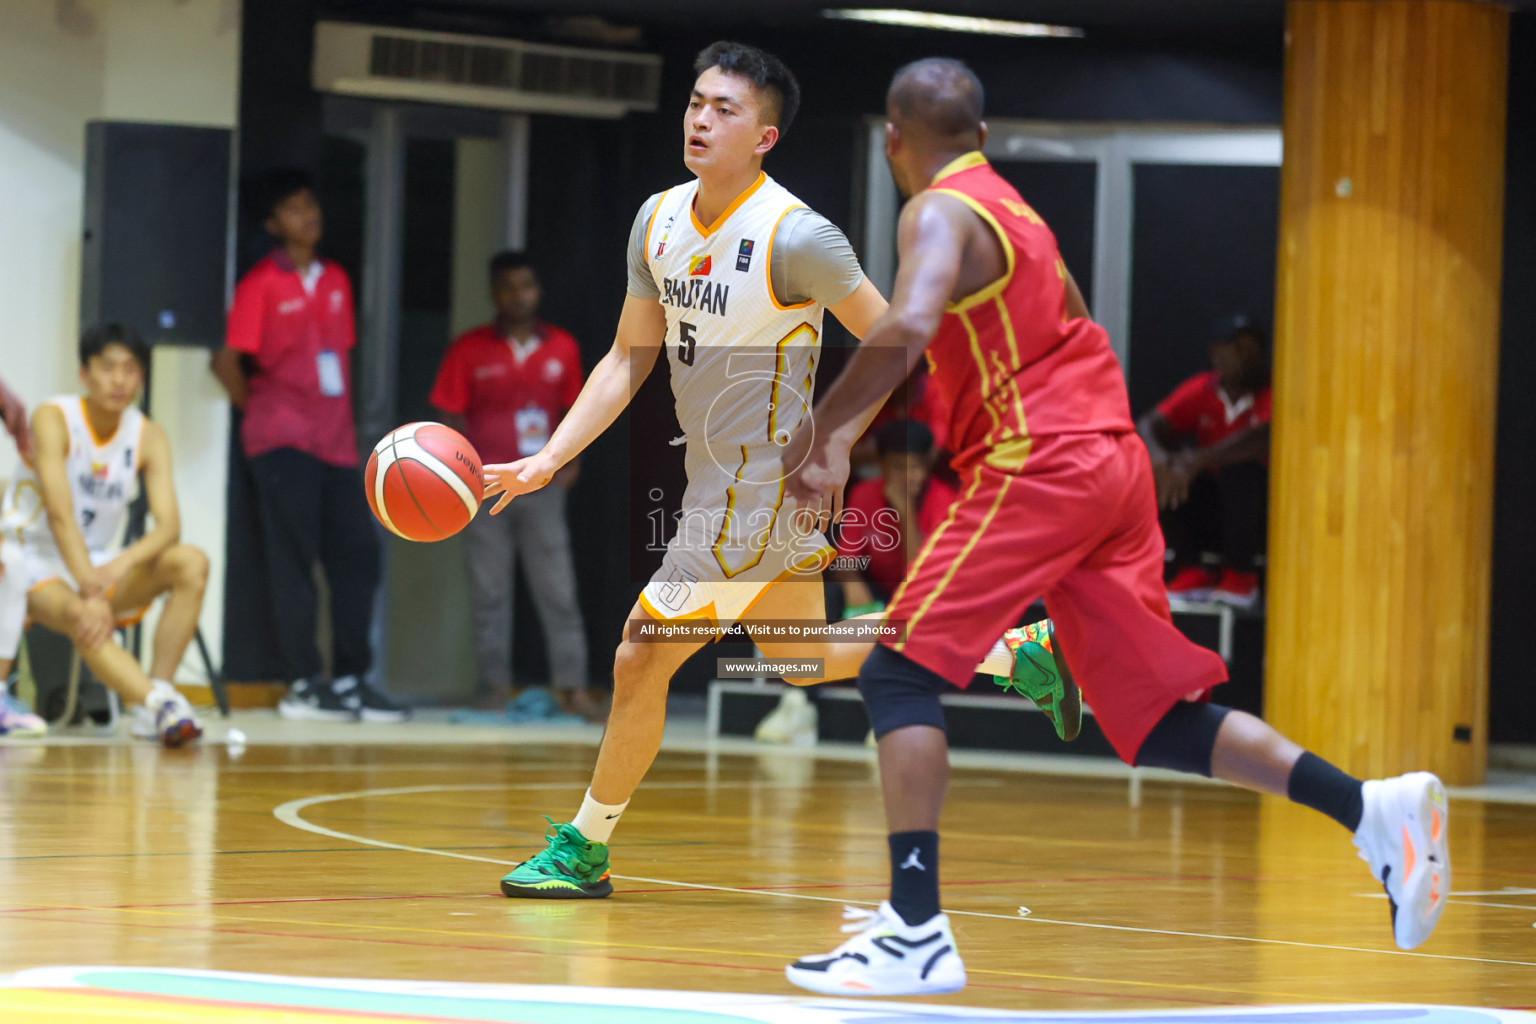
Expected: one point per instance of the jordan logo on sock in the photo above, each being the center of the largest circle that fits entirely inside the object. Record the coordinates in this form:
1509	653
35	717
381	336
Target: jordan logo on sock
912	861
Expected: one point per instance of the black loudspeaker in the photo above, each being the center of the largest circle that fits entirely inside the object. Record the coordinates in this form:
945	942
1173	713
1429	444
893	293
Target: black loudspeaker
157	221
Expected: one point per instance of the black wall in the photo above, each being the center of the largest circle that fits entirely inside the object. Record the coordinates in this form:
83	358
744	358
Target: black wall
1512	710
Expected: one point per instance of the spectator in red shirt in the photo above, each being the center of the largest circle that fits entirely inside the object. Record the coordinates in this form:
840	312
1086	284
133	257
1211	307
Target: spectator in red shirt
887	518
506	385
287	366
1209	442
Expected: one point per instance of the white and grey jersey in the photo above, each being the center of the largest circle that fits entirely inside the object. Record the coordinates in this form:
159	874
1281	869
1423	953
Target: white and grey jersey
743	370
812	259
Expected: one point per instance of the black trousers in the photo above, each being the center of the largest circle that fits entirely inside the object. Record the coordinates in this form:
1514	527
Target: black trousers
311	510
1227	516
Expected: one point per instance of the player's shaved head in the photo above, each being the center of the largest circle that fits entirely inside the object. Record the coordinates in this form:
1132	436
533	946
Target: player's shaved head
937	102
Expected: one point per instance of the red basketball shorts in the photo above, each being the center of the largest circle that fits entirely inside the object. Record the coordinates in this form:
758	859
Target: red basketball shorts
1078	526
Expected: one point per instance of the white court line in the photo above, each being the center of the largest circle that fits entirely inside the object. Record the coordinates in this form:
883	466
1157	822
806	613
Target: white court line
288	814
1465	903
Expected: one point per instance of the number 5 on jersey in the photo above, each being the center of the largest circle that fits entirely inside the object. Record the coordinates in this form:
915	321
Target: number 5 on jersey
686	342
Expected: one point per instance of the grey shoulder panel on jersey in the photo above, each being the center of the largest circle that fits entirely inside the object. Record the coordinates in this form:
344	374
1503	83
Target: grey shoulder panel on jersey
642	283
812	260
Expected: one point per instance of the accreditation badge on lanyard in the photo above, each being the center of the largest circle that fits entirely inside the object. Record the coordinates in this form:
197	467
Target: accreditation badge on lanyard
332	383
532	430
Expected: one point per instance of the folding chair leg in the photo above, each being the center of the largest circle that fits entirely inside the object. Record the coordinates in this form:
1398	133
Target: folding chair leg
215	679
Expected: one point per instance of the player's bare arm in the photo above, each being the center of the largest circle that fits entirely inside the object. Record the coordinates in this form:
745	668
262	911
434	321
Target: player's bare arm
859	313
51	452
609	389
931	239
93	621
160	489
1077	307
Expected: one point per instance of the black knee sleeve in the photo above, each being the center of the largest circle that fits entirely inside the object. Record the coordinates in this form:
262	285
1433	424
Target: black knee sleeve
1184	739
899	692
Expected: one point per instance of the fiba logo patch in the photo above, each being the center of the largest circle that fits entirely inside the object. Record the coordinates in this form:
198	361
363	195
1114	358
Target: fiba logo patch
744	255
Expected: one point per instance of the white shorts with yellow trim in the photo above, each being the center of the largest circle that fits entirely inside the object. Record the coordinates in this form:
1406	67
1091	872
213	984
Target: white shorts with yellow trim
13	599
44	565
721	561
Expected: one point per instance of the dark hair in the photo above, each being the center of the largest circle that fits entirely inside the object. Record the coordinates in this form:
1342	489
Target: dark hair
765	71
510	259
95	341
1237	326
903	436
279	186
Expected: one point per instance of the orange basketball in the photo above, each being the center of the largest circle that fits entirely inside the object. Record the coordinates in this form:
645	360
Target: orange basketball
424	481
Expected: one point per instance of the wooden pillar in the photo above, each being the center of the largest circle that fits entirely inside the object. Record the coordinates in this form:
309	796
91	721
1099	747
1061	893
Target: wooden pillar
1386	373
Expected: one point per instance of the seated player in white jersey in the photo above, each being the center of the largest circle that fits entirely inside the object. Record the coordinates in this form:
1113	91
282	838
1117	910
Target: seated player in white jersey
67	510
730	273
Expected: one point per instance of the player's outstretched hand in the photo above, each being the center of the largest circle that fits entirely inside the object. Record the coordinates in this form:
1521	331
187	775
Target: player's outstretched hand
511	479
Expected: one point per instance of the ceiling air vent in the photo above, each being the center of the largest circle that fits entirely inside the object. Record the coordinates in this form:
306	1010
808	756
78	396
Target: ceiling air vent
479	71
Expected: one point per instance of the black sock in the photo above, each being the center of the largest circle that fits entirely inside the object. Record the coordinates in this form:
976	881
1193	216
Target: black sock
915	875
1319	785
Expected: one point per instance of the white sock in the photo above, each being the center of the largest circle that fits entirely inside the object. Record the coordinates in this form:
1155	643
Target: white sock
160	691
998	662
596	821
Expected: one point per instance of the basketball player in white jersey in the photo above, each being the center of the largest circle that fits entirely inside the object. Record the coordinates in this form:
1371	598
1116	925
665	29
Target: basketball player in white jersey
730	273
67	510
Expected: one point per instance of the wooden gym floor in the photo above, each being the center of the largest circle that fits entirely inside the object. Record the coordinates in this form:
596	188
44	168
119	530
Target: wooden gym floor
380	860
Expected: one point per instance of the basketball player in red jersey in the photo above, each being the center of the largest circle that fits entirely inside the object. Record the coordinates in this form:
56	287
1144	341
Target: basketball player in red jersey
1056	500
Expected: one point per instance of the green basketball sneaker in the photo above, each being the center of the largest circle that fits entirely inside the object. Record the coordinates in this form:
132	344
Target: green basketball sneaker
1041	674
571	867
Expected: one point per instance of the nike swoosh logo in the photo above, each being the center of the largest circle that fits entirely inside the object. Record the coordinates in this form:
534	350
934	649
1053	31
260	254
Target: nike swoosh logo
612	816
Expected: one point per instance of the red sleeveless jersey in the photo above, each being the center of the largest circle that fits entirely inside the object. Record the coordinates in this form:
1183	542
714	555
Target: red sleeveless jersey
1009	363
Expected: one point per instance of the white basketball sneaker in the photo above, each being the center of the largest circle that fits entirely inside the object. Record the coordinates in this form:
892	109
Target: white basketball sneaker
1403	836
888	957
165	715
793	723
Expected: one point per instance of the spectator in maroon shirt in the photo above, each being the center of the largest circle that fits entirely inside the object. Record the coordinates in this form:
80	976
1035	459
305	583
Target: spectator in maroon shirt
506	385
1209	442
287	367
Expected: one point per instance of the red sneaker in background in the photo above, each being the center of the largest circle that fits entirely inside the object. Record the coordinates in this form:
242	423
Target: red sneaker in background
1238	589
1194	583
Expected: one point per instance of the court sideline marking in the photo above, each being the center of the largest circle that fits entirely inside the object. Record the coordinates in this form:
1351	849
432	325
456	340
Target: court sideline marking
289	814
